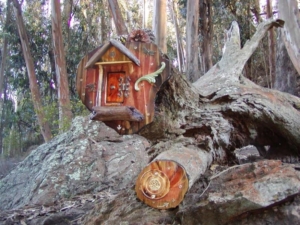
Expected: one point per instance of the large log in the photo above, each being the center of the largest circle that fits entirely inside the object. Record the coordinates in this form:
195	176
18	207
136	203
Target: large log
220	113
163	183
223	110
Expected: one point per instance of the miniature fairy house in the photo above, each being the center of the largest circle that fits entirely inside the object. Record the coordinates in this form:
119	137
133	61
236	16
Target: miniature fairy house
118	83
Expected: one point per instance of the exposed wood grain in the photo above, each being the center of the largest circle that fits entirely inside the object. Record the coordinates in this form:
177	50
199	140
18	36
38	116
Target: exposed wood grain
162	184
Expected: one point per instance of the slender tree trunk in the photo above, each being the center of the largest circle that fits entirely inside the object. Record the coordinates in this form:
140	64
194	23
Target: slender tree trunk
67	17
206	31
192	41
53	80
2	70
271	38
35	94
65	113
145	13
117	17
4	52
159	24
291	31
180	53
3	65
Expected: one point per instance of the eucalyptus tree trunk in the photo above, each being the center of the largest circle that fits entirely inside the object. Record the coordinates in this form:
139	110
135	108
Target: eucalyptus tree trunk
117	17
271	40
65	113
192	41
179	46
206	31
160	24
223	110
145	13
289	12
4	51
3	55
35	94
67	17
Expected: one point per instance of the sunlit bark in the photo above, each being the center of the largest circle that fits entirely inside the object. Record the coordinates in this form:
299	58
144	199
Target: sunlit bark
65	113
35	94
192	41
117	17
160	24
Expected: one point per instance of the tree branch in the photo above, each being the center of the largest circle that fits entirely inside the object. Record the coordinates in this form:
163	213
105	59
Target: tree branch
228	71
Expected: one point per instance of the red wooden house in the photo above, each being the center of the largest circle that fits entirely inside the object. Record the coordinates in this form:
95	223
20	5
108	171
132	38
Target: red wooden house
118	83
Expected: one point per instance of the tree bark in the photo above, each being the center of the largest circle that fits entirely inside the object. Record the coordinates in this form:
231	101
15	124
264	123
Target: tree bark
287	78
289	12
219	113
159	24
271	39
223	111
3	61
65	113
67	17
117	17
192	41
179	47
206	31
35	94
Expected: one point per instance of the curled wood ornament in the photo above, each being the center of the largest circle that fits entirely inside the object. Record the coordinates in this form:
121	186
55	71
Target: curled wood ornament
162	184
149	77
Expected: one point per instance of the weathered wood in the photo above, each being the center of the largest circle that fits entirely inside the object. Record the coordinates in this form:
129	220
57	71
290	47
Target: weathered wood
109	113
230	113
228	71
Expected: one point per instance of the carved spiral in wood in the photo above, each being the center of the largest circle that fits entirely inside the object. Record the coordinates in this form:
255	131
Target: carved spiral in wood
162	184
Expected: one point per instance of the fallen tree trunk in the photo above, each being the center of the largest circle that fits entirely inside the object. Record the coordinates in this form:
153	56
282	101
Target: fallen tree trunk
223	111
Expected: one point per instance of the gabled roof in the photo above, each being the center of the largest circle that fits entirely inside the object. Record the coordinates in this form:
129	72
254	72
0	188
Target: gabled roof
99	53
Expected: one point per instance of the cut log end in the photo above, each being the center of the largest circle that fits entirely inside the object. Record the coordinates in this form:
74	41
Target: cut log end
162	184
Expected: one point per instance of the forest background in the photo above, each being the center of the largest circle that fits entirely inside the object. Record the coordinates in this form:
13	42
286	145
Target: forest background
85	25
